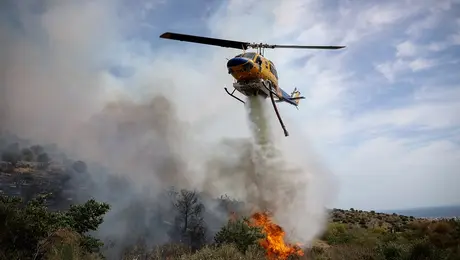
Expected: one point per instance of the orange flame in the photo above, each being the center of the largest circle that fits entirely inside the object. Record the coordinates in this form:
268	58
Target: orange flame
274	244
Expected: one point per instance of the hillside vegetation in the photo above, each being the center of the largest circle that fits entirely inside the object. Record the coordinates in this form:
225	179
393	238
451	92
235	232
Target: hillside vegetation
41	217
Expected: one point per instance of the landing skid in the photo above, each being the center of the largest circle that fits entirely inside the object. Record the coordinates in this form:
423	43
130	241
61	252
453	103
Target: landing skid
231	94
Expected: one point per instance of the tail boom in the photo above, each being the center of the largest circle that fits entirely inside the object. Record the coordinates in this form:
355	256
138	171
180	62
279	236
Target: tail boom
292	99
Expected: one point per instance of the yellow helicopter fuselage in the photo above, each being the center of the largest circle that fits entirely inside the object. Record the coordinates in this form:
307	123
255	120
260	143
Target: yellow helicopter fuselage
251	66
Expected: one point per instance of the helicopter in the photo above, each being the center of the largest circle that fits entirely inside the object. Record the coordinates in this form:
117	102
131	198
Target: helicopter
254	74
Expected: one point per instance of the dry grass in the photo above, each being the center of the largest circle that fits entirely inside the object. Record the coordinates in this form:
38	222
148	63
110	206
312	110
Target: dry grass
225	252
343	252
178	252
23	170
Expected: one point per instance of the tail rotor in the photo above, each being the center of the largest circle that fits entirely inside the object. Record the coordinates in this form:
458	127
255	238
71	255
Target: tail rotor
295	96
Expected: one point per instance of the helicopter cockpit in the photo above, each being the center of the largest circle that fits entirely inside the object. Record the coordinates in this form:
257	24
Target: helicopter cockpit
258	60
248	55
251	56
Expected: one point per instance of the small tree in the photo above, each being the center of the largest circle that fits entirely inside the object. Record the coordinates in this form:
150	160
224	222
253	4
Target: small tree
84	218
44	160
189	227
79	166
11	157
37	149
229	205
27	155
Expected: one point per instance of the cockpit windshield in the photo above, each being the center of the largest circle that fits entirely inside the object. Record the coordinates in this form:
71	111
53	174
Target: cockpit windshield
249	55
273	69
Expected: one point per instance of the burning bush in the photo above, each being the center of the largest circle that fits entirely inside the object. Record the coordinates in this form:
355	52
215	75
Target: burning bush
273	243
258	230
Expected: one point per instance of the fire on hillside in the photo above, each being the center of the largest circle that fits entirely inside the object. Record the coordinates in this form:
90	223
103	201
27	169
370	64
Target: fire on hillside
274	244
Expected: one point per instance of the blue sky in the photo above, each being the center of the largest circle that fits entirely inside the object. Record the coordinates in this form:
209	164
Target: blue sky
382	114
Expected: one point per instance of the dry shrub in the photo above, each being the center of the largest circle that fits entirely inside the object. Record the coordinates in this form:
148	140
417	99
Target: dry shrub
63	244
255	252
343	252
23	170
226	252
171	251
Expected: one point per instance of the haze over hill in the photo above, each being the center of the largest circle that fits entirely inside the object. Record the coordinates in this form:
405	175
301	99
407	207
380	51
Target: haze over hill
429	212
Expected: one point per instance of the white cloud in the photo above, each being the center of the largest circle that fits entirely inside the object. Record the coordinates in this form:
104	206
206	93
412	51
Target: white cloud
426	115
408	60
391	69
433	11
437	46
406	49
289	13
430	108
456	38
418	27
421	64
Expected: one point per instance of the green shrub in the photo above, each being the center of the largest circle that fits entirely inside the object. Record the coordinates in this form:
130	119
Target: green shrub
421	250
392	251
351	252
239	233
25	228
337	233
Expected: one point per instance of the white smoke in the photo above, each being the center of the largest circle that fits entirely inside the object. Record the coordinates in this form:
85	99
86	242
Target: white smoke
290	182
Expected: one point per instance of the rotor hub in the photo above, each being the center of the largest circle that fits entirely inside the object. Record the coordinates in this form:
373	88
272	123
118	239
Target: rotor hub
260	45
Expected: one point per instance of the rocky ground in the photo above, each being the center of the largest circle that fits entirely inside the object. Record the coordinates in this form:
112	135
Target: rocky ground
27	179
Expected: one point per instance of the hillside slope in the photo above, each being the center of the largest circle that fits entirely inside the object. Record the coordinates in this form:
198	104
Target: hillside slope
27	171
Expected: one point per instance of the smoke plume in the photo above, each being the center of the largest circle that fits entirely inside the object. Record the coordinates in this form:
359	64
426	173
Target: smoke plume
288	178
55	86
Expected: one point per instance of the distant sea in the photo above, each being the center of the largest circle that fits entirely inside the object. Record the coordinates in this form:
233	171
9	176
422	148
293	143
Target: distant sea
428	212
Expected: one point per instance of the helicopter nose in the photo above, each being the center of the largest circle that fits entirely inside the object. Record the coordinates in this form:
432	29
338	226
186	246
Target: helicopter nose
236	61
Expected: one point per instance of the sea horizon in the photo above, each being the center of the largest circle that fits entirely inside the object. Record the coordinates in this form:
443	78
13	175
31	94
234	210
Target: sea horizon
451	211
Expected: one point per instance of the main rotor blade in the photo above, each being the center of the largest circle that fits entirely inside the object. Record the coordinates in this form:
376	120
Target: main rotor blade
305	47
205	40
235	44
